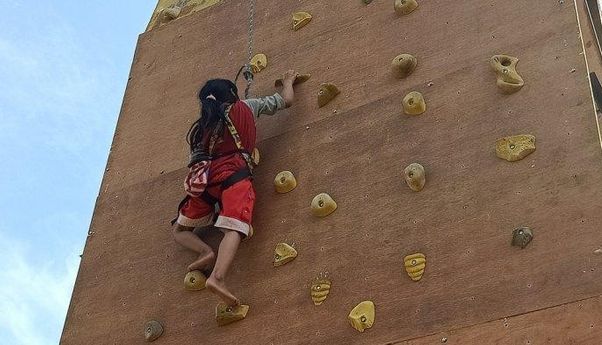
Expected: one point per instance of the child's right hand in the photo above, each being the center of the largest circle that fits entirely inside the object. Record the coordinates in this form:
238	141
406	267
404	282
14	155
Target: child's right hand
289	77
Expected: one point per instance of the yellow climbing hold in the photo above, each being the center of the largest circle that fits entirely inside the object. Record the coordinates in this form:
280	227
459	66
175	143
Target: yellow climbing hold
415	176
152	330
403	7
516	147
415	265
255	157
259	62
322	205
327	93
194	281
320	290
300	19
285	182
414	104
508	79
283	254
225	314
403	65
362	316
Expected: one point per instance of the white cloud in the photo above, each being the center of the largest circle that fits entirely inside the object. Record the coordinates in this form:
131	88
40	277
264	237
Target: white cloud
33	297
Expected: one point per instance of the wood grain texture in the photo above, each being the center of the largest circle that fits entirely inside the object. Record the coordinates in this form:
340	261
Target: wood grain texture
132	270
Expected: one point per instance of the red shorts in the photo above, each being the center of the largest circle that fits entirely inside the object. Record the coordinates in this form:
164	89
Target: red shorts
236	210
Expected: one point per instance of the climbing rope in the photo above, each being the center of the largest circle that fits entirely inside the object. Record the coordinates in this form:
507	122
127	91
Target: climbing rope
246	70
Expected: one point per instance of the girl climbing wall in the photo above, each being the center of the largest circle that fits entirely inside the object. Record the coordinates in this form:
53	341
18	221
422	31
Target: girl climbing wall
220	173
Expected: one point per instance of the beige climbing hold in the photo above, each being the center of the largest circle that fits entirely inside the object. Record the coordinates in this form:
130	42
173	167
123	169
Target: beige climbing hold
403	7
508	79
152	330
322	205
171	13
299	79
598	251
415	176
516	147
283	254
403	65
194	281
285	182
300	19
414	104
415	265
327	93
259	62
225	314
362	316
255	157
320	290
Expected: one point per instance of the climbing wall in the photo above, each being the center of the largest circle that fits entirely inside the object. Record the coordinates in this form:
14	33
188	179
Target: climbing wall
476	289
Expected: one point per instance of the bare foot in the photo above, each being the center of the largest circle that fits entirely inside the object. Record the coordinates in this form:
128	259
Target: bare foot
204	261
218	287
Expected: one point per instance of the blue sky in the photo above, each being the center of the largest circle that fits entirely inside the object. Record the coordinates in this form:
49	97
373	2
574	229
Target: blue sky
63	69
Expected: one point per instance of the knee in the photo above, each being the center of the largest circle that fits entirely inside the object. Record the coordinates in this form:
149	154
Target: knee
179	228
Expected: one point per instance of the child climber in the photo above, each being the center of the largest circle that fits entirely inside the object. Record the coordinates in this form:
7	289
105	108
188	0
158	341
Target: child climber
221	141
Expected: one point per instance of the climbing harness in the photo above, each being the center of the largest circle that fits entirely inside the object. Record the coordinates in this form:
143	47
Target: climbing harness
196	183
246	70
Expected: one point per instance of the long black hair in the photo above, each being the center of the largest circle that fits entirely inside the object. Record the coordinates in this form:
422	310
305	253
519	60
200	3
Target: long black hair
212	110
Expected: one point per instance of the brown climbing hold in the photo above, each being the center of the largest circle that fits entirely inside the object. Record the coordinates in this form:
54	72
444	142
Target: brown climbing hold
403	7
414	104
322	205
508	79
225	314
283	254
415	265
522	236
320	290
285	182
255	157
327	93
300	19
152	330
415	176
299	79
367	2
362	316
403	65
259	62
194	281
516	147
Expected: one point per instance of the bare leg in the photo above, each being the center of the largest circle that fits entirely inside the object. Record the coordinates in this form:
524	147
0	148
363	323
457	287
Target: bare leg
184	236
216	283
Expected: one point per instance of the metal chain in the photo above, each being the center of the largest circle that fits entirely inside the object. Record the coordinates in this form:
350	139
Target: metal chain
248	74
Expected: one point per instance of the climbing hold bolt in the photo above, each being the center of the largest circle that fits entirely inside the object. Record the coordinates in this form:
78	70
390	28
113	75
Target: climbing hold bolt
285	182
414	104
522	236
225	314
194	281
415	265
403	65
284	253
415	176
515	148
300	19
362	316
320	290
322	205
152	330
299	79
259	62
403	7
327	93
508	79
255	157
